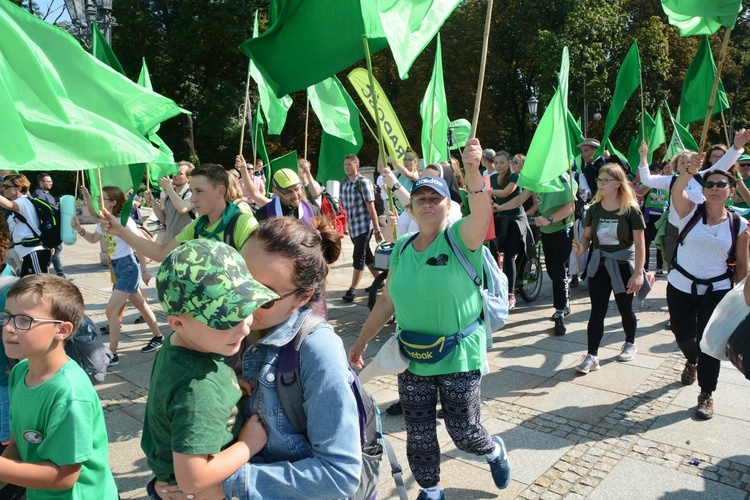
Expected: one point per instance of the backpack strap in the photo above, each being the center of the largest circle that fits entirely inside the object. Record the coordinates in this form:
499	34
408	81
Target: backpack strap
191	213
468	267
288	380
407	243
229	231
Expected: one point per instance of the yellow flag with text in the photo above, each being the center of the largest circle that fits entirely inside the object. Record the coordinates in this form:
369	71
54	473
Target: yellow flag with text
393	134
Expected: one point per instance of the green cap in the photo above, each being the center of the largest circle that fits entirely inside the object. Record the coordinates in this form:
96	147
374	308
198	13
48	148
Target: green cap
209	280
743	158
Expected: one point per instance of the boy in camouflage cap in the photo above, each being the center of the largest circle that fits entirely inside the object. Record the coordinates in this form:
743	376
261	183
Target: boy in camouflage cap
209	297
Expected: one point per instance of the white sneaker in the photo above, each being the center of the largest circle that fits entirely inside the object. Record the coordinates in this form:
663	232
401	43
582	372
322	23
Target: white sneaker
590	363
628	352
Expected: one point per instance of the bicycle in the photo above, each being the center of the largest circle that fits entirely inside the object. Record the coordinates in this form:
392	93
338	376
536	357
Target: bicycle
530	273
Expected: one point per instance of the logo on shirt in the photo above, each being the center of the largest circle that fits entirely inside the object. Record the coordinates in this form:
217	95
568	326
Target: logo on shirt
33	437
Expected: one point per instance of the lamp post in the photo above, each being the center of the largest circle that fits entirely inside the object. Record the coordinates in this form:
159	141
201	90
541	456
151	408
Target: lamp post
533	104
597	114
84	13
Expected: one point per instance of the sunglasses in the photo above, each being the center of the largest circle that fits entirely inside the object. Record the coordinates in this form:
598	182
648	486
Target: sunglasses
712	184
6	186
271	303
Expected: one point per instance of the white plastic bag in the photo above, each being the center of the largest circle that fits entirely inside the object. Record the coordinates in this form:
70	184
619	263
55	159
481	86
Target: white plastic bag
728	314
388	360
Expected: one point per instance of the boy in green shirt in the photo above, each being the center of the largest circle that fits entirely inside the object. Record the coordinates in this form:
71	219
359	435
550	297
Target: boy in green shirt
192	435
58	446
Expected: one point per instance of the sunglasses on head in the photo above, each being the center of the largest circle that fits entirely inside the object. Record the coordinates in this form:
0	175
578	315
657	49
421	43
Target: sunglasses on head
712	184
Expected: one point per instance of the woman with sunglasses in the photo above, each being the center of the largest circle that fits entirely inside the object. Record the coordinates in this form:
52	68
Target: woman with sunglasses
128	274
614	233
24	225
713	255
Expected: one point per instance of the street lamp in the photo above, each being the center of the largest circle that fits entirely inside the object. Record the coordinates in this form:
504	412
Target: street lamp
533	103
597	114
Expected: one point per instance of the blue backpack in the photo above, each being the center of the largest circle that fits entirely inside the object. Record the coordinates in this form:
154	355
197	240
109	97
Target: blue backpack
493	288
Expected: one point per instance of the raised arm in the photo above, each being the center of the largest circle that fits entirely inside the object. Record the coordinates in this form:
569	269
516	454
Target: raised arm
181	205
678	197
731	156
474	228
154	251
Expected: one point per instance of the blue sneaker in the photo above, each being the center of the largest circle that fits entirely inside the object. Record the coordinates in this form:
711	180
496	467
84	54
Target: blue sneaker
500	467
423	495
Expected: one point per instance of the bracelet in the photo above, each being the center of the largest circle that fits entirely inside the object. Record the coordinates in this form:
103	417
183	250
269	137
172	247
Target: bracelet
82	233
483	190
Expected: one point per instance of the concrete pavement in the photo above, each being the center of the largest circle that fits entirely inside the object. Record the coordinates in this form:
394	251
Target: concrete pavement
625	431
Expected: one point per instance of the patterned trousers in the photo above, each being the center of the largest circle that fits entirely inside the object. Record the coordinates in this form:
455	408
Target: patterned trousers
460	397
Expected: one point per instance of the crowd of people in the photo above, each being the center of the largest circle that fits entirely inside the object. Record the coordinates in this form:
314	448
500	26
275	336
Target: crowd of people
243	273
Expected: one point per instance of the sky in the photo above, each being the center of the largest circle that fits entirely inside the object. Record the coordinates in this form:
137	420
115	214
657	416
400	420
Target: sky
58	7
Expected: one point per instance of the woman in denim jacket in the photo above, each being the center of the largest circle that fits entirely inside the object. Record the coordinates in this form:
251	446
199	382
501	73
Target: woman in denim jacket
292	259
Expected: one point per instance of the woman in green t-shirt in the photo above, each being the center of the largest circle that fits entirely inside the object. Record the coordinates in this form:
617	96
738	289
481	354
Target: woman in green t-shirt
424	269
615	233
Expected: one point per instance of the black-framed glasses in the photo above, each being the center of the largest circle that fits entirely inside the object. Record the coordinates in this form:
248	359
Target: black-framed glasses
604	181
9	187
744	165
23	321
712	184
271	303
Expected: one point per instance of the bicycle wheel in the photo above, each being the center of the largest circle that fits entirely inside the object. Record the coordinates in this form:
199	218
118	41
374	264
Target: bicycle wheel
375	289
532	277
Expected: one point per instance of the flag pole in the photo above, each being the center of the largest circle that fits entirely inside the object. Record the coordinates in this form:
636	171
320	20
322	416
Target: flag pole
573	196
244	111
707	120
674	127
374	135
381	146
75	191
101	191
307	122
482	64
432	113
724	123
643	107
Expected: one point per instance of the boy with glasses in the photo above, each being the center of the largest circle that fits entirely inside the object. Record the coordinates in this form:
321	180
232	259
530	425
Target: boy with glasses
58	446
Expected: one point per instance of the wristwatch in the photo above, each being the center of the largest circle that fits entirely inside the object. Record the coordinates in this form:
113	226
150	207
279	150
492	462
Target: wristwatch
396	187
550	219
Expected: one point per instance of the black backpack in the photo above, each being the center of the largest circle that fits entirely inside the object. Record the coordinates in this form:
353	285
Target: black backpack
48	233
379	205
289	388
86	348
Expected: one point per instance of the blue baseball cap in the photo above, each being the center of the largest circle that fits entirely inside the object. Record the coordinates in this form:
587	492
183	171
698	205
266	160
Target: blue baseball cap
437	184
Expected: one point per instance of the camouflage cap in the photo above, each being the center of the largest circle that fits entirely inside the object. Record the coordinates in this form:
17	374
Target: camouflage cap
209	280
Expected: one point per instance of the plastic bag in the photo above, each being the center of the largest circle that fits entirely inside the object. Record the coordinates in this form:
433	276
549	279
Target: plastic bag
726	317
86	348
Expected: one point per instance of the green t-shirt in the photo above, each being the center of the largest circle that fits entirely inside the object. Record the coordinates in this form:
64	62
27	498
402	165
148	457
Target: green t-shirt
742	204
246	224
551	203
191	407
513	179
61	421
613	232
438	300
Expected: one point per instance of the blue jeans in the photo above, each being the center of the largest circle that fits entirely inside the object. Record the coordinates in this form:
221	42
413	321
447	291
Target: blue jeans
127	274
4	414
57	263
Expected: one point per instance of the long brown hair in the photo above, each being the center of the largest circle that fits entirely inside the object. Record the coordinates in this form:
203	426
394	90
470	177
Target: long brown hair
624	190
116	195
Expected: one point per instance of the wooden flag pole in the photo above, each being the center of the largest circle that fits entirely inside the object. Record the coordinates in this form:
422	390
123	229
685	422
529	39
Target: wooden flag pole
482	64
707	120
374	135
307	122
726	131
643	107
244	111
148	178
575	229
381	145
101	191
75	191
674	127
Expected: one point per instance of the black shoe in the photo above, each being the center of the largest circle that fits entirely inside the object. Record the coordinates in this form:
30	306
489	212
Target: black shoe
104	330
395	409
114	360
668	325
566	313
349	295
560	325
139	320
380	287
153	344
574	282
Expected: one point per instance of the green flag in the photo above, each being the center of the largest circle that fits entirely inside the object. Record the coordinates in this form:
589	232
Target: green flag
165	164
547	157
409	27
657	137
628	79
102	51
575	135
460	132
330	101
434	113
696	90
681	140
634	157
309	41
333	149
701	17
61	109
288	160
274	109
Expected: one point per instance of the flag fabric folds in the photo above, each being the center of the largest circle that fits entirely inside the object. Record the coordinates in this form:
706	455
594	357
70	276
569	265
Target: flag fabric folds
409	27
657	136
628	79
164	164
681	139
329	101
701	17
308	41
61	109
393	134
434	113
334	148
696	90
274	109
460	132
548	155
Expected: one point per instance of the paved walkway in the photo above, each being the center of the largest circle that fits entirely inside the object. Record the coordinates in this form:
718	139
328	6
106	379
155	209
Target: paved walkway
626	431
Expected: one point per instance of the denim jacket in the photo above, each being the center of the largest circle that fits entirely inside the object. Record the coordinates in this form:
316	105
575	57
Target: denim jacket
326	463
